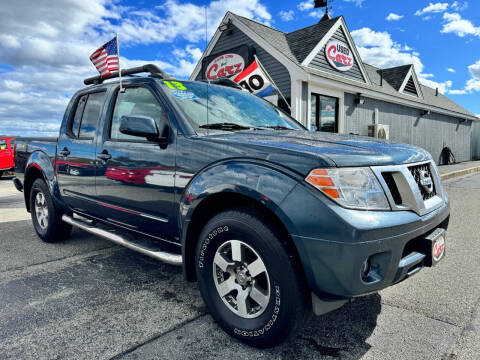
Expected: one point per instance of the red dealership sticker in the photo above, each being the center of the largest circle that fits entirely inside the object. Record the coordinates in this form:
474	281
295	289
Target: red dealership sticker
438	248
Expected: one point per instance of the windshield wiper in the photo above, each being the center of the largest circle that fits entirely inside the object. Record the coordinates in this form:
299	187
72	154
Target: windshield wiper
277	127
225	126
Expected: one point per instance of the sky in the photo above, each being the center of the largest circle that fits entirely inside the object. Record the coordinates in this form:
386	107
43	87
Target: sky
45	45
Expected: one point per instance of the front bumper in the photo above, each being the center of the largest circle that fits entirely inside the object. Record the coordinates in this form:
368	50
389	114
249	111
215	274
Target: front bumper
333	244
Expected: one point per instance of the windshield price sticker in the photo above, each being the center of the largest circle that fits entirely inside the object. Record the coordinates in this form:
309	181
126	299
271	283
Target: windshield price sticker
175	85
184	95
179	90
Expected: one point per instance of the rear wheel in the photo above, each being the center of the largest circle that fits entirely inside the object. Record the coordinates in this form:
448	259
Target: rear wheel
247	279
47	220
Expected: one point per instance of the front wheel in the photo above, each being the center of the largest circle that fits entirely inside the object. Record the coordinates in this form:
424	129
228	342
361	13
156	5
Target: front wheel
47	220
247	279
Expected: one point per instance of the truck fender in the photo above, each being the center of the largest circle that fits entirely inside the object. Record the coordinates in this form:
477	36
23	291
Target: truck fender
265	183
39	161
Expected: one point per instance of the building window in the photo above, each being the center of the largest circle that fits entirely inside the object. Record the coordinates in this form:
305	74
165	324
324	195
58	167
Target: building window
324	113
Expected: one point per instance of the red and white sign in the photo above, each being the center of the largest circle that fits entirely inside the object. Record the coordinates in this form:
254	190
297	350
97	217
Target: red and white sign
254	79
339	55
225	65
438	248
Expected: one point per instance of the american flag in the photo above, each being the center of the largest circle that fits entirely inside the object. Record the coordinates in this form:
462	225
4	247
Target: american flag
105	58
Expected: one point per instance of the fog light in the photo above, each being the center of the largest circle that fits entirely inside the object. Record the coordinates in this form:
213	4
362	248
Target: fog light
366	269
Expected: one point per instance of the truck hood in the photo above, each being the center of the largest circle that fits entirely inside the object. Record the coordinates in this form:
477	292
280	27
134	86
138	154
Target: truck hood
303	150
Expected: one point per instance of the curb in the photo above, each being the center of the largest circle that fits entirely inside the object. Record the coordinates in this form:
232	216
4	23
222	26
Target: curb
453	174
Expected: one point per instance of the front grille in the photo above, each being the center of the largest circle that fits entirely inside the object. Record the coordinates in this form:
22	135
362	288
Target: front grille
392	186
422	173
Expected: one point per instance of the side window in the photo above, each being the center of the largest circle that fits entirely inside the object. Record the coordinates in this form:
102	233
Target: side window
77	119
135	101
91	113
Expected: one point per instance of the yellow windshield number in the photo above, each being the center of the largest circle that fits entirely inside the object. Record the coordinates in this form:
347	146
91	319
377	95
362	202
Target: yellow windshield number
175	85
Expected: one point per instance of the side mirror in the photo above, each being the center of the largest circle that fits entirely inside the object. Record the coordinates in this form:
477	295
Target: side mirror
142	126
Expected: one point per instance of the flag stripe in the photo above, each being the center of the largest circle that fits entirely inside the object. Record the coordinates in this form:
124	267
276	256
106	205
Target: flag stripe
105	58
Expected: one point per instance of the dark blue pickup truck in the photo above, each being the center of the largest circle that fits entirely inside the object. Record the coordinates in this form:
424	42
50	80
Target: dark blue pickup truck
271	220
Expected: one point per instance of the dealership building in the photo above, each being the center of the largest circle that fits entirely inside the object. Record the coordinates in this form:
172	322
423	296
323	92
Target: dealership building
326	86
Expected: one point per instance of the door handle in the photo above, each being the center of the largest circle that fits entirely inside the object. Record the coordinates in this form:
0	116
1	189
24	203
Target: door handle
65	152
104	155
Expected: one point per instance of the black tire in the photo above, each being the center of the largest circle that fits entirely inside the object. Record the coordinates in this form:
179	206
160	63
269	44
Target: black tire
53	229
287	306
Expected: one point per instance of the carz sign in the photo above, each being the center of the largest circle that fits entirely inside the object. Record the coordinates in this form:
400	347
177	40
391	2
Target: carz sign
339	55
225	65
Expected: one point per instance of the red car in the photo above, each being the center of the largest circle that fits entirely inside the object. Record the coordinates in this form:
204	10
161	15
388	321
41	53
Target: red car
6	154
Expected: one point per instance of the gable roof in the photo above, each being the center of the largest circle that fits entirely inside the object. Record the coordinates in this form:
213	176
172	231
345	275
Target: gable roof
303	41
274	37
395	76
297	45
429	94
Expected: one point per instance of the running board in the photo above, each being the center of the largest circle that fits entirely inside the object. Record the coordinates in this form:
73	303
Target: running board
166	257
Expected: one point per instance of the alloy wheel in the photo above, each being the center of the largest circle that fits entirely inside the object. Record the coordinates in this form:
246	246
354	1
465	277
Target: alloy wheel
241	279
41	210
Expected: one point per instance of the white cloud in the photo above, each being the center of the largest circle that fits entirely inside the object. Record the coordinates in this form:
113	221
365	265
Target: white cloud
457	92
473	84
451	70
394	17
432	8
188	59
13	85
458	6
317	13
358	3
378	49
183	20
45	46
286	15
305	5
458	26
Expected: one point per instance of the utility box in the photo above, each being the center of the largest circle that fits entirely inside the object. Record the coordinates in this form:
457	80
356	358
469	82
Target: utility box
379	131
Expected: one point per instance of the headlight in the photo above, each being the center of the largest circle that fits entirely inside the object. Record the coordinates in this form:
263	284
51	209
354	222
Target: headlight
356	188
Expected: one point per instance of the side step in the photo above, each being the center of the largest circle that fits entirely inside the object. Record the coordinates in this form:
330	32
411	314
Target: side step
169	258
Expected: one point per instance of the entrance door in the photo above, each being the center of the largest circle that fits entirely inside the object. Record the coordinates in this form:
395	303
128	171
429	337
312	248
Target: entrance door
324	113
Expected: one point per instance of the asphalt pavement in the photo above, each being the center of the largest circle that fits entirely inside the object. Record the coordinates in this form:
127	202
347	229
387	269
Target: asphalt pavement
86	298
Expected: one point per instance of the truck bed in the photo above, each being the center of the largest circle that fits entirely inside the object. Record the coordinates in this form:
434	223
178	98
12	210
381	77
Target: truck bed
25	146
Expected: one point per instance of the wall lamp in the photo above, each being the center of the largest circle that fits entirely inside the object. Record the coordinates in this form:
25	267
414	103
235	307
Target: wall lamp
226	27
426	112
359	100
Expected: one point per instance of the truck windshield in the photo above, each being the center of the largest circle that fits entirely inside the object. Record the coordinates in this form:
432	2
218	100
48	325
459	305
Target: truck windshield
3	144
229	109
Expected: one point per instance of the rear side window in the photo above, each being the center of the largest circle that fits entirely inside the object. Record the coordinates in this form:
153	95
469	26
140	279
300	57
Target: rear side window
135	101
3	145
88	111
91	113
78	115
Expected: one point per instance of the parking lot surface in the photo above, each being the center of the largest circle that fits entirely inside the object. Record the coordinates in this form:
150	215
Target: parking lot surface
86	298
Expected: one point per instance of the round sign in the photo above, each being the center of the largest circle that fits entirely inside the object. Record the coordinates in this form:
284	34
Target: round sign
438	248
339	55
225	65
